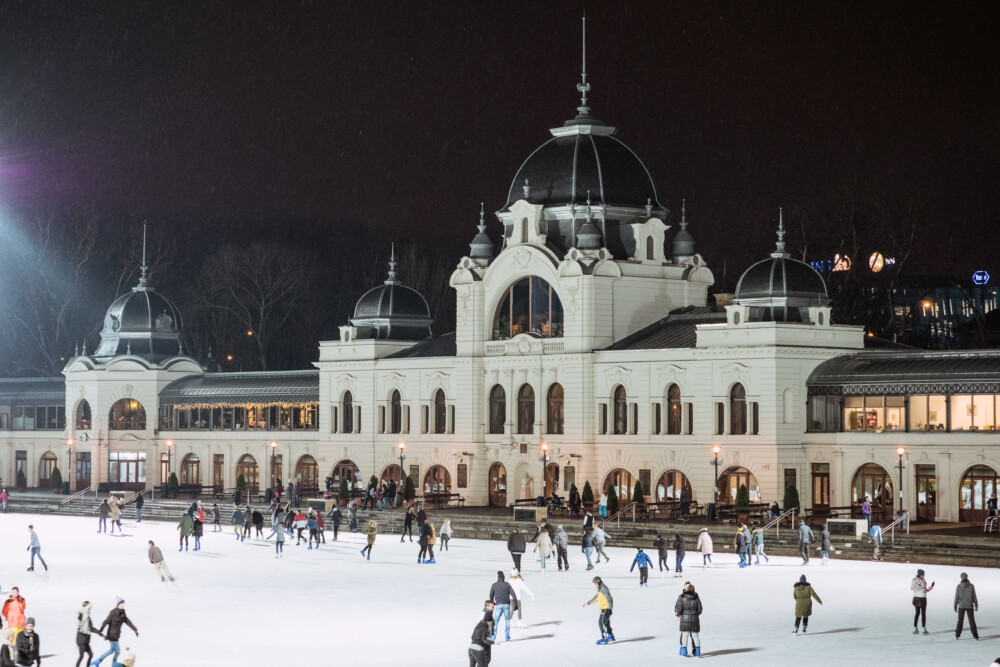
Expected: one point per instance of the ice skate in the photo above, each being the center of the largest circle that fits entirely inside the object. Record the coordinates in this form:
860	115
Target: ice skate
603	640
611	636
683	652
697	651
925	631
164	579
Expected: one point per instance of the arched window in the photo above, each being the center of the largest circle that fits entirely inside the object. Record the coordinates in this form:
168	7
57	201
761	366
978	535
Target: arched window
247	466
730	481
498	485
440	412
650	254
83	420
526	409
530	305
347	408
498	409
622	482
674	410
45	468
673	485
395	413
874	482
347	469
127	414
191	470
307	473
738	410
978	484
621	410
437	480
554	409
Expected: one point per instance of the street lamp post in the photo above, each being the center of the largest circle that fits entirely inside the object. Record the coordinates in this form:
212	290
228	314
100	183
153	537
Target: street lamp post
166	482
715	461
543	456
900	451
402	457
69	461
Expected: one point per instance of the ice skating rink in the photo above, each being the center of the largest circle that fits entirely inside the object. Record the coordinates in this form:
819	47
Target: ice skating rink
235	604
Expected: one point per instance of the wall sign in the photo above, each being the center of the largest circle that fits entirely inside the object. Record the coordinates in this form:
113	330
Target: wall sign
981	277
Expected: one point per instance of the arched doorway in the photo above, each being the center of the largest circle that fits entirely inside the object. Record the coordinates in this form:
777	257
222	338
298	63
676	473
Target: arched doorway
872	481
978	484
673	486
730	481
437	479
45	467
623	483
191	470
247	466
307	473
498	485
391	473
348	470
551	479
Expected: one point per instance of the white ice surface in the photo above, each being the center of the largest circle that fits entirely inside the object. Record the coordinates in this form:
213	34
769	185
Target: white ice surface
235	604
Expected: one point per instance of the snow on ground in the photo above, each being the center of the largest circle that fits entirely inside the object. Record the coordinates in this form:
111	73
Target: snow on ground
235	604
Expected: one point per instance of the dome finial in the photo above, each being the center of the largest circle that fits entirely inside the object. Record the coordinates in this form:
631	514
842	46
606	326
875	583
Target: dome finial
481	247
584	87
779	247
684	220
143	279
482	222
76	349
527	189
393	278
649	207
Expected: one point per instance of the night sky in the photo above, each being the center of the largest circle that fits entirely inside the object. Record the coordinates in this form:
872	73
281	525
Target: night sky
402	117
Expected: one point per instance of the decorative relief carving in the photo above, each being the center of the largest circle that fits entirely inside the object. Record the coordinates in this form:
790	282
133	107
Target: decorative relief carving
735	373
618	375
671	374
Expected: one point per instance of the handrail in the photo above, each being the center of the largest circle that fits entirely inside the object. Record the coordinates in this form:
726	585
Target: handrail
904	514
137	494
776	522
617	516
74	496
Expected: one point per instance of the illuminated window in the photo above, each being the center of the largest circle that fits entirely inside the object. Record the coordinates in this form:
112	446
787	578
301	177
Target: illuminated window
530	305
127	414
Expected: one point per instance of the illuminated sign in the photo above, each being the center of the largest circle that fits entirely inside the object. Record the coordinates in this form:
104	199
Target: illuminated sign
877	261
981	277
841	263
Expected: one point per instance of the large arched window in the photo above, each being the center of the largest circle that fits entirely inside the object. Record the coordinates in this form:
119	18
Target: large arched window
440	412
437	480
191	470
730	481
127	414
673	410
621	410
347	408
247	466
554	409
45	468
872	481
738	410
498	409
347	469
307	472
395	412
83	420
530	305
526	409
978	484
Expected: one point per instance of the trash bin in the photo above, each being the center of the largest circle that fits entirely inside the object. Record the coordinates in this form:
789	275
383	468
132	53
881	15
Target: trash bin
65	488
712	509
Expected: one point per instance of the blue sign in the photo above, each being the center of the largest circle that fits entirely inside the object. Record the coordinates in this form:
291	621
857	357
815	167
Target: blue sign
981	277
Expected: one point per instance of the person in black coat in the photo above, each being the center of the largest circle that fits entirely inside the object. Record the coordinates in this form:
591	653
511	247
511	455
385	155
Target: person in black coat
426	548
574	502
334	516
114	622
479	649
516	547
688	610
421	516
27	645
139	502
258	523
408	523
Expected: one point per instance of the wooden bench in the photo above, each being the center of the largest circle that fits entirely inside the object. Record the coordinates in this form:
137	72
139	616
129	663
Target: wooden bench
439	500
756	512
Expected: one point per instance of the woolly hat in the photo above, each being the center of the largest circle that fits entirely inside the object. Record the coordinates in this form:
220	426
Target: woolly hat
30	621
920	573
802	579
118	601
963	576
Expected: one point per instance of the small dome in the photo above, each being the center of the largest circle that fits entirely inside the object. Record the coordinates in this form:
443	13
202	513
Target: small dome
142	322
683	243
392	311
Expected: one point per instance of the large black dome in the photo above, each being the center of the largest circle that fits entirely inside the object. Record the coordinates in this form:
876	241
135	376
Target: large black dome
142	322
563	169
392	311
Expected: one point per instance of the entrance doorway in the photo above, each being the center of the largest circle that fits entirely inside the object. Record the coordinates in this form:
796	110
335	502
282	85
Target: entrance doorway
978	484
551	478
872	481
820	487
622	482
926	493
498	485
730	481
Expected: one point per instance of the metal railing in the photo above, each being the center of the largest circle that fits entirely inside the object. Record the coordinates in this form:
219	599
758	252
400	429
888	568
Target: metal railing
903	516
627	508
74	496
776	522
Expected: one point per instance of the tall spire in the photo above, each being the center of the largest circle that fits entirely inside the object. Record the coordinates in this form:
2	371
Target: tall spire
143	278
393	277
481	247
684	220
779	247
584	87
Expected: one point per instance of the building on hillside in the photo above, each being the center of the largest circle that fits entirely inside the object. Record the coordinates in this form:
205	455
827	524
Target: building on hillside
585	350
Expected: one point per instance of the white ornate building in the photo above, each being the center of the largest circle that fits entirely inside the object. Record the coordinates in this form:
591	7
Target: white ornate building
584	333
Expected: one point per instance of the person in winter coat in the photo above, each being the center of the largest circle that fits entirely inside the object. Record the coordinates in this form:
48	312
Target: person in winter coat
216	516
84	628
602	507
192	509
481	638
320	529
279	541
421	515
156	558
966	602
825	546
334	516
520	588
139	502
544	547
186	527
588	520
920	591
642	560
313	526
574	502
806	537
866	510
27	644
237	520
277	521
757	541
562	548
199	529
13	611
606	604
247	521
116	515
424	540
35	547
114	622
299	525
445	534
503	596
4	497
587	546
408	518
688	610
743	546
516	547
663	551
705	546
600	541
803	594
775	510
8	652
371	532
258	523
352	516
547	527
102	516
679	551
875	539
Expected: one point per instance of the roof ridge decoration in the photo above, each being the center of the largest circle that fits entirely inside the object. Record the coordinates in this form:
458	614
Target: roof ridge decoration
143	268
779	251
583	118
393	276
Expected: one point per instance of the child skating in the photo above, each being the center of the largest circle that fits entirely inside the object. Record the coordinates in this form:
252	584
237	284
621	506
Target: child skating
644	563
605	603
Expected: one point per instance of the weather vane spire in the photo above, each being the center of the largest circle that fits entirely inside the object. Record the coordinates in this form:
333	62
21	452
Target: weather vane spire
482	223
584	87
143	279
779	247
684	220
393	278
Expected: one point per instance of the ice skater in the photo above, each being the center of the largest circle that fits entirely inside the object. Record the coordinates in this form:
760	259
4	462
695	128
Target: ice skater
803	594
503	596
562	549
156	560
642	560
679	552
279	541
544	548
516	547
185	526
102	516
875	539
258	524
445	534
216	515
13	610
84	628
920	591
139	502
36	550
602	507
320	529
663	550
237	520
334	516
4	497
742	543
198	531
806	537
313	529
587	547
371	532
481	640
825	546
966	602
600	541
116	515
520	588
27	644
352	519
757	540
408	518
8	652
114	622
704	545
688	610
605	603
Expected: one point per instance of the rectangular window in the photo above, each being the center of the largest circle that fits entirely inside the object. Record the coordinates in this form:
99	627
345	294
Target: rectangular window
690	418
603	426
817	413
21	462
415	476
962	412
424	419
984	412
854	413
406	419
82	470
29	418
451	419
333	419
789	479
755	418
895	413
18	417
927	413
462	475
635	418
4	421
40	420
720	418
654	419
381	419
569	477
645	480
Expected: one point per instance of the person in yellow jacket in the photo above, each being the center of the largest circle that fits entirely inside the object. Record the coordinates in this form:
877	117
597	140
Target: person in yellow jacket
605	603
371	532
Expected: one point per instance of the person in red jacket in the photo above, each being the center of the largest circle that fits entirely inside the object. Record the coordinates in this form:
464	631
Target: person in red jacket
13	611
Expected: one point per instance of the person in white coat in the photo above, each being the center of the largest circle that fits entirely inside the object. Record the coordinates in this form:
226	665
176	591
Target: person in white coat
705	547
544	547
600	541
603	505
520	588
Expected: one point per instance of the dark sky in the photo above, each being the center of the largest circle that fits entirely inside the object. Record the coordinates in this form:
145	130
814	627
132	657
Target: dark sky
404	116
